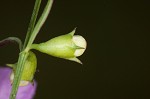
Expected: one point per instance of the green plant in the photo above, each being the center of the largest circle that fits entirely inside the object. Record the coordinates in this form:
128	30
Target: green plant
66	46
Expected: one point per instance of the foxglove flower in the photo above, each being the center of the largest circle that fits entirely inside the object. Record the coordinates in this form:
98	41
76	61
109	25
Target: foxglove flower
67	46
24	92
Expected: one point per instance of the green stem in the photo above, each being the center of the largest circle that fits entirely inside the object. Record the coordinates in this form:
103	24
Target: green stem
32	21
31	34
11	40
18	74
40	23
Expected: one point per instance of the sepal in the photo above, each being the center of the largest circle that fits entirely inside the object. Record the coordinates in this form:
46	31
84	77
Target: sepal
75	60
28	71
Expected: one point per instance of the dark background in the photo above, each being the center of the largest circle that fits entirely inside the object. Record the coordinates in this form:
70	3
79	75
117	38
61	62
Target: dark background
116	63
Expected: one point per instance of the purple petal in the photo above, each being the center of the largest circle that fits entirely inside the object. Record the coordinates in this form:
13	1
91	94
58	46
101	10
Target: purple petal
24	92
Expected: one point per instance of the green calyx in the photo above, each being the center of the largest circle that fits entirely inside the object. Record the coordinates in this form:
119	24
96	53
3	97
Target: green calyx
29	67
61	46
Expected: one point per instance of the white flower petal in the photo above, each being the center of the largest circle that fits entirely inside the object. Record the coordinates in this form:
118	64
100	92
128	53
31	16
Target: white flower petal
81	42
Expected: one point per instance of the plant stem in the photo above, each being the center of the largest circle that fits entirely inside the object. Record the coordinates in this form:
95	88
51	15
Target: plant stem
31	34
32	21
11	40
40	23
18	74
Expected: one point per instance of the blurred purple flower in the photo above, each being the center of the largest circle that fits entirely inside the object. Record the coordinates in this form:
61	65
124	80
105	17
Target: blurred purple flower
24	92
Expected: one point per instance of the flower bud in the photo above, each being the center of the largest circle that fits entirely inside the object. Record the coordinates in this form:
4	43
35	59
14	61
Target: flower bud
79	41
28	71
68	46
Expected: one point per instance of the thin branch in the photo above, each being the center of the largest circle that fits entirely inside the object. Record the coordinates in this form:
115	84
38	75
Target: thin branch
32	21
40	23
11	40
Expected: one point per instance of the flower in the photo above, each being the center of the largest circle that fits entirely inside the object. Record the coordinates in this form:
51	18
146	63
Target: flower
81	42
28	71
24	92
68	46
